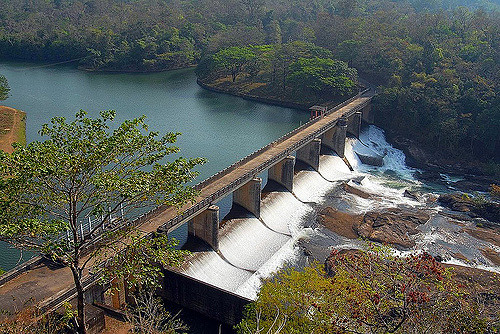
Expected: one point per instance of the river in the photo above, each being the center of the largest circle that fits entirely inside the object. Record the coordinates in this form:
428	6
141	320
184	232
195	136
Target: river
219	127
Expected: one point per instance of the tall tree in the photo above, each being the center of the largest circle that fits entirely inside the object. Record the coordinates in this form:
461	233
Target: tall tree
84	169
320	76
233	59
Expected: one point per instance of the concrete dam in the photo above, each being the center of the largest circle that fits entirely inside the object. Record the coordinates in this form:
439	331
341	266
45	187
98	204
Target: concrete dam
256	237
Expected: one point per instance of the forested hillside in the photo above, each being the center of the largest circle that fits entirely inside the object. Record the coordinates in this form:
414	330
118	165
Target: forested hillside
438	63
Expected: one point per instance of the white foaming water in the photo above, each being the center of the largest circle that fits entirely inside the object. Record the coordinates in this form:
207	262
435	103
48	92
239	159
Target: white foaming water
441	237
383	196
309	186
288	253
373	139
247	243
209	267
282	212
333	168
387	183
251	249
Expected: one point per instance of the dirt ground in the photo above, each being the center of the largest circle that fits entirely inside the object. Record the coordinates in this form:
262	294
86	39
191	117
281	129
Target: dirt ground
12	128
115	326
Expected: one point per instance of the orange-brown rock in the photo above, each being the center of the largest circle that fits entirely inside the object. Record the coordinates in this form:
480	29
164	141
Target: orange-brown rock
491	255
392	226
339	222
486	234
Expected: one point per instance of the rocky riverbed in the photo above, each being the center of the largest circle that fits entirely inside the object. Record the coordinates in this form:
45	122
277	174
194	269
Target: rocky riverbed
410	210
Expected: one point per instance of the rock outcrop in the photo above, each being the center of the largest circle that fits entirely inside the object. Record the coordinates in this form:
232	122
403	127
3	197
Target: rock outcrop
372	160
464	203
355	191
340	222
392	226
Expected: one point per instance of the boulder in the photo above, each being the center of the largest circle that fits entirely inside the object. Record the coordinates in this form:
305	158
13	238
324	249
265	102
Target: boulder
486	234
414	195
457	202
471	185
392	226
430	176
491	255
490	211
372	160
463	203
358	180
355	191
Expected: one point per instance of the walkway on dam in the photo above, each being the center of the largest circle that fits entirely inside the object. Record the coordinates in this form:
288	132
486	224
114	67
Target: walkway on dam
45	284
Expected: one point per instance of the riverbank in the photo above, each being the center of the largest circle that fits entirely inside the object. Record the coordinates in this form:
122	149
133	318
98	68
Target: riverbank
262	92
129	70
237	90
12	128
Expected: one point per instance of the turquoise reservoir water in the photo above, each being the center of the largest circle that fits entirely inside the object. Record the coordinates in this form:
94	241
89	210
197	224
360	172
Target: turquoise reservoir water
219	127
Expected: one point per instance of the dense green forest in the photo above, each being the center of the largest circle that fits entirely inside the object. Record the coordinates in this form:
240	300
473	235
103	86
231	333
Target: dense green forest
437	63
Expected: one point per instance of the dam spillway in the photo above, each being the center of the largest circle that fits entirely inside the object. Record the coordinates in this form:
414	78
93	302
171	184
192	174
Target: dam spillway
251	248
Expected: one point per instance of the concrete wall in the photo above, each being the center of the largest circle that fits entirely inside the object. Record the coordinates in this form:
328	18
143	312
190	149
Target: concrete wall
282	172
367	115
206	226
354	124
310	153
335	137
22	268
203	298
248	196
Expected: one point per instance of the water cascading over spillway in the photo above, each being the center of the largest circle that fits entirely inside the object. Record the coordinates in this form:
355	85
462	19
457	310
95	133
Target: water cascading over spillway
253	248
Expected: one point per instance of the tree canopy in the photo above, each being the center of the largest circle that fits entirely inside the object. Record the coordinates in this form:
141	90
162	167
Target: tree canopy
87	172
370	292
320	76
233	59
299	72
